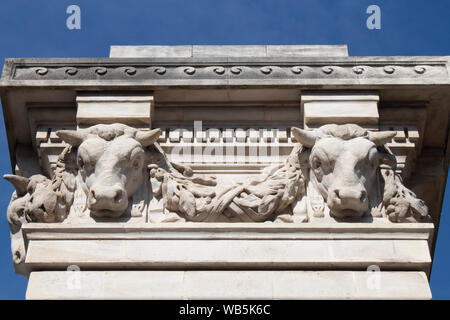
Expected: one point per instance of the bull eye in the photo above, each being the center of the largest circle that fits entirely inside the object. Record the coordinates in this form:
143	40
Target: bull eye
136	164
374	164
316	164
373	160
80	162
84	165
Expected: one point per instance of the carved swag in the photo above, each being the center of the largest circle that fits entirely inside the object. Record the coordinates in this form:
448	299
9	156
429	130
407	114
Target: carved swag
340	172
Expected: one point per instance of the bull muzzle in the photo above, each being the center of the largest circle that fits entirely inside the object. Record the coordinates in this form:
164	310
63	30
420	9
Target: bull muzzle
348	202
107	201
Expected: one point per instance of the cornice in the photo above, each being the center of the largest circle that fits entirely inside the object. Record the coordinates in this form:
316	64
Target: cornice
230	71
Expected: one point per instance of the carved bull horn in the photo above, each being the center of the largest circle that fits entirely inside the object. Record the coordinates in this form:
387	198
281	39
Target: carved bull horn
147	138
306	138
20	183
72	137
381	138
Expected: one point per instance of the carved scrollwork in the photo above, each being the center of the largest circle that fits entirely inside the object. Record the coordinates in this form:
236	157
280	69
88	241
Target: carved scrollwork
358	69
403	71
420	69
189	70
297	69
71	71
42	71
327	70
160	70
101	71
219	70
236	70
130	71
266	70
389	69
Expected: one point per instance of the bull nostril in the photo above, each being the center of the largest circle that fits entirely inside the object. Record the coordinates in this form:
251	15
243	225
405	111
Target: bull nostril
363	196
337	193
118	197
93	194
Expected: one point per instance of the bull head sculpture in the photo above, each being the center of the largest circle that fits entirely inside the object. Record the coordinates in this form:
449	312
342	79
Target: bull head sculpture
343	162
111	161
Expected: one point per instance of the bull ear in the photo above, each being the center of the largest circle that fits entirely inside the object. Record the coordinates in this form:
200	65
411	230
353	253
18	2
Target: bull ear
381	138
20	183
147	138
72	137
306	138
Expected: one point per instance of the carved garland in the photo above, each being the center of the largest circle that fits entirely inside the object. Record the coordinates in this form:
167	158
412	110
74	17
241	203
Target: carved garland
278	194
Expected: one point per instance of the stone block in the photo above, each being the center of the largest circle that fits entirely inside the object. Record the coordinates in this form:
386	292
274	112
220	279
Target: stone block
150	51
320	109
188	254
251	51
227	284
134	110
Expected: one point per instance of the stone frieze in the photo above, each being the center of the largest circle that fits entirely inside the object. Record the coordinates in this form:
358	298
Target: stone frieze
115	172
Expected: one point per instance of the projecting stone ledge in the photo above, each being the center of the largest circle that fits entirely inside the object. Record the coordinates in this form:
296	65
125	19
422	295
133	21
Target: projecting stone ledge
232	284
228	51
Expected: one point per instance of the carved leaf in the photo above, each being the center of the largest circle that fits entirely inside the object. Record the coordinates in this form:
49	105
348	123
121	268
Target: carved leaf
187	202
249	201
269	204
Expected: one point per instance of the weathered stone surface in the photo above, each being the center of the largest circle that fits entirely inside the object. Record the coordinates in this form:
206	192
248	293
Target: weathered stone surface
115	164
321	109
333	198
311	73
134	110
233	284
218	254
228	51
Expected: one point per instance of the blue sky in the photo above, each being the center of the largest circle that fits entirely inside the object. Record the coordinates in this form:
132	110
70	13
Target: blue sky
38	29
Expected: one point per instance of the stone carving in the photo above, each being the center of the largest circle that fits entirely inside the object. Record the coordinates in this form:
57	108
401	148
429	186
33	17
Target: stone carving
122	71
327	70
219	70
71	71
111	164
358	69
342	172
115	170
400	203
101	71
389	69
41	71
259	199
39	199
297	69
189	70
160	70
42	199
354	172
346	167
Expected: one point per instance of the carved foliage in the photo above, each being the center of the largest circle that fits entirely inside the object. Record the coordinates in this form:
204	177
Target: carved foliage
259	199
120	169
354	171
39	199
